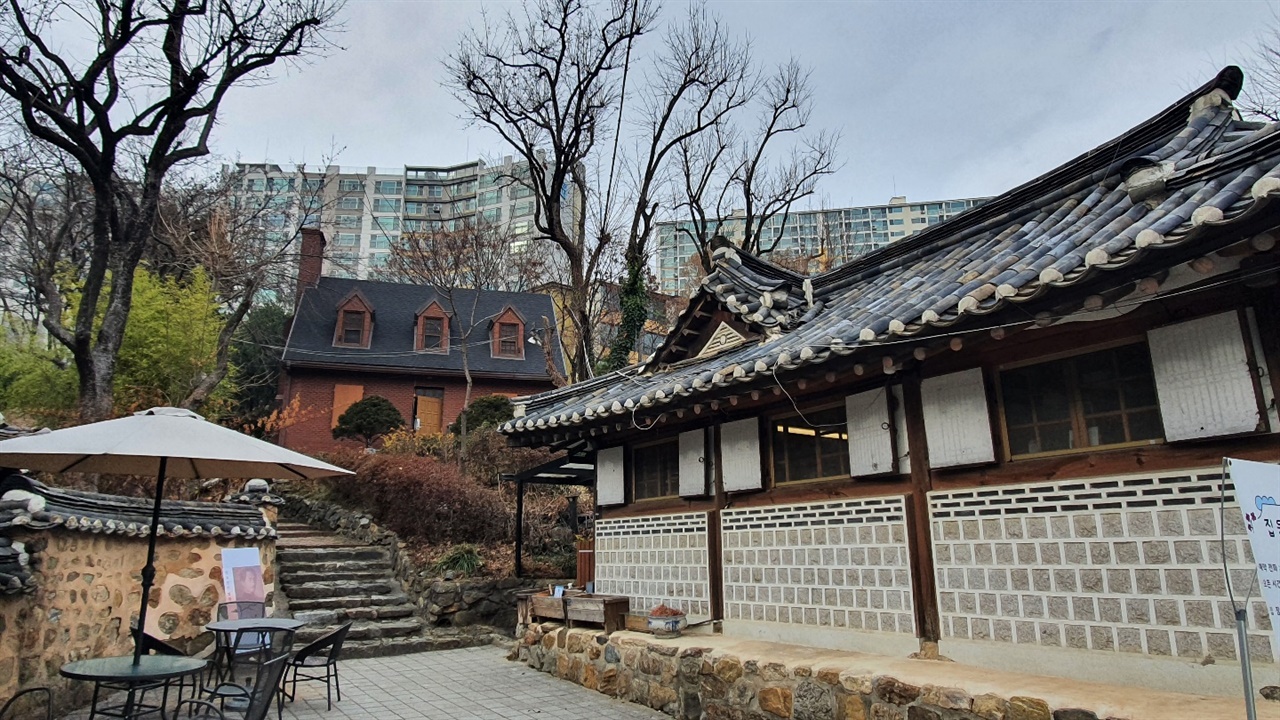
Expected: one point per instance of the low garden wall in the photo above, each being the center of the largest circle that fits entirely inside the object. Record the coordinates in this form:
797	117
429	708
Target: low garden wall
441	603
86	594
691	682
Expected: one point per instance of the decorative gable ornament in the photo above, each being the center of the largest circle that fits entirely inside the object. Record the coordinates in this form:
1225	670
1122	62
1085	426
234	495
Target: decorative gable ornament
723	338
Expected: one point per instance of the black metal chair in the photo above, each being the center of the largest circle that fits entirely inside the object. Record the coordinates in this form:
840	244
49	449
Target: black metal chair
242	654
12	702
320	655
264	689
242	610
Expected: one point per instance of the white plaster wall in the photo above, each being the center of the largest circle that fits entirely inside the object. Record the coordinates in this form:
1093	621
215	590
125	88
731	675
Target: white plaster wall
841	564
656	559
1126	566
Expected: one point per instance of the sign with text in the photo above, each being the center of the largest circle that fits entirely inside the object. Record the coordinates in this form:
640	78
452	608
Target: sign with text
242	575
1257	489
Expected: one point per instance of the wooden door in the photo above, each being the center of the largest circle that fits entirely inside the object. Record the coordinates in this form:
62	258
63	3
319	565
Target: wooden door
428	413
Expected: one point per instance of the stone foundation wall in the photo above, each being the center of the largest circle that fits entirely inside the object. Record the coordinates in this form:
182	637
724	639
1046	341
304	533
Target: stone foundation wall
440	602
695	682
656	559
87	594
1128	565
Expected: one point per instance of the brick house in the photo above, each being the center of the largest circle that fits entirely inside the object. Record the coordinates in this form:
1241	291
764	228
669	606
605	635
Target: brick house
350	339
1002	435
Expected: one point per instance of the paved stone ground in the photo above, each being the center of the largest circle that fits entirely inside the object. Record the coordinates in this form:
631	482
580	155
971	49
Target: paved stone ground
469	684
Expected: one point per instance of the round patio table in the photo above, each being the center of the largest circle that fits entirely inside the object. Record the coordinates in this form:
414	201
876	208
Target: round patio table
120	673
245	623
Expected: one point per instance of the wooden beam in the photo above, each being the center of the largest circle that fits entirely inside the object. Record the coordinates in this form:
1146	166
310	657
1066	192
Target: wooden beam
928	625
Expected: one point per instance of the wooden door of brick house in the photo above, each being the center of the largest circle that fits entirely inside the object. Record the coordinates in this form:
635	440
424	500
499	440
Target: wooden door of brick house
428	410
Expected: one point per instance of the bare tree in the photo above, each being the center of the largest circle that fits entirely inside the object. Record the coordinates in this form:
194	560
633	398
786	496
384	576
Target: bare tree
247	244
730	169
1261	95
142	101
693	87
458	264
548	83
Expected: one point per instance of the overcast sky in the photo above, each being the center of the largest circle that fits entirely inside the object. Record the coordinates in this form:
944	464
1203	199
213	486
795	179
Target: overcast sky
934	99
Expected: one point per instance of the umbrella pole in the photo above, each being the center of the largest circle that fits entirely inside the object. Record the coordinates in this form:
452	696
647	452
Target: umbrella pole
149	571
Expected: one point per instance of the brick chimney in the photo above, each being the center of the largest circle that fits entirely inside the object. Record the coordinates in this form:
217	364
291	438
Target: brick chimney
310	260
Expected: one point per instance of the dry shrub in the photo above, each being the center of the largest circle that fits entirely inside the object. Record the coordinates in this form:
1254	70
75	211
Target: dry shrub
487	456
421	497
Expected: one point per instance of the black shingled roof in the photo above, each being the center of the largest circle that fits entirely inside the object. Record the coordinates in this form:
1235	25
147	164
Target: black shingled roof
395	312
1189	177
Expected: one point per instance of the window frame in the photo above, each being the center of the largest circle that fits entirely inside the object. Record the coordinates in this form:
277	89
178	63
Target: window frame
1076	408
632	475
340	338
772	418
432	312
518	353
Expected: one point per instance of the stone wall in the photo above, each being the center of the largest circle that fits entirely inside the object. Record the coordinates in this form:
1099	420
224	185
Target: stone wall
440	602
692	682
1128	566
656	559
823	567
86	594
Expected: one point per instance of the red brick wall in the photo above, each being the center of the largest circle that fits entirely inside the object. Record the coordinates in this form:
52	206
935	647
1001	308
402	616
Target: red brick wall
315	391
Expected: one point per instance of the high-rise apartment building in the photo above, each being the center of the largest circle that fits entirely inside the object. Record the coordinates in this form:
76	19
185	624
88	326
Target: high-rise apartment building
363	211
840	234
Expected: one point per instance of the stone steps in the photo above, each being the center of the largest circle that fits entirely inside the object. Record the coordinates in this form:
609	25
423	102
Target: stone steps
331	580
383	647
362	630
338	616
288	555
294	578
347	601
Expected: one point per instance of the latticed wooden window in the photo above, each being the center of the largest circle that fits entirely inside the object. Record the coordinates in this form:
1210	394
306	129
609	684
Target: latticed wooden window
812	446
1092	400
509	340
352	327
432	333
656	469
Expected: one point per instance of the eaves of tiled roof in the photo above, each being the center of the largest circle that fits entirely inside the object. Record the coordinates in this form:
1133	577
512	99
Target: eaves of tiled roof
1188	177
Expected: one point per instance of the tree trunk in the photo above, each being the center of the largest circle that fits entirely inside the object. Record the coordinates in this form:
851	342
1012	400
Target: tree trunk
633	305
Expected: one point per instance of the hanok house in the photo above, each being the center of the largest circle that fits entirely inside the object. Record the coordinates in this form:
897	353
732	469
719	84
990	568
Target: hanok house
1003	434
354	338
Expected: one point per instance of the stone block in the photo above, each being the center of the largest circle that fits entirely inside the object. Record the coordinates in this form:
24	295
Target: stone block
1027	708
728	669
1129	639
990	707
813	701
854	708
662	697
1127	553
894	691
1170	522
947	698
1102	638
1158	642
919	712
1188	552
1188	644
858	684
1155	552
1168	612
885	711
775	700
1179	582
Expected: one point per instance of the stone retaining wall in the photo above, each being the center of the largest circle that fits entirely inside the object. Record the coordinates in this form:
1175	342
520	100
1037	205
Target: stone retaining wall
695	682
86	594
440	602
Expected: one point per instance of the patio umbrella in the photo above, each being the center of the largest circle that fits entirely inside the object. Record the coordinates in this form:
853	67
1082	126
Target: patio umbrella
163	442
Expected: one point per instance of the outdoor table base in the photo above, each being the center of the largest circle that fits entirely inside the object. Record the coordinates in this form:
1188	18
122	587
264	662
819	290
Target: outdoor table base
119	673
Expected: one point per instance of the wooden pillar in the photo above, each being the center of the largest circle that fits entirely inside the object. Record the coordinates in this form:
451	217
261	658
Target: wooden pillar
519	527
715	554
923	580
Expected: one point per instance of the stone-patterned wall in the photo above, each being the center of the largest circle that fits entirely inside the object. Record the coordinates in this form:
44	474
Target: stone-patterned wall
841	564
87	593
656	559
1128	564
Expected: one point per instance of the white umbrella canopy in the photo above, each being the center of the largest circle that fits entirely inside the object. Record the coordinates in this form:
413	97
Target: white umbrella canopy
189	445
162	442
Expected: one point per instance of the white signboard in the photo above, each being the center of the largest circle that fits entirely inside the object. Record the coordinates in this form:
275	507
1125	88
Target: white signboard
1258	490
242	575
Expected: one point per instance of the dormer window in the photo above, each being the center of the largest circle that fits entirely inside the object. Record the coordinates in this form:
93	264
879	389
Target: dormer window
433	329
508	339
508	335
355	323
352	327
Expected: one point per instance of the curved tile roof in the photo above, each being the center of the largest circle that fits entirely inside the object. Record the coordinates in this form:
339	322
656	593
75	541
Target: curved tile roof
31	505
1164	184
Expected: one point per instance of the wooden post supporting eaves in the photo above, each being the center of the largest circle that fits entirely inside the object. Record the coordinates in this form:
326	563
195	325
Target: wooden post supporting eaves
923	580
